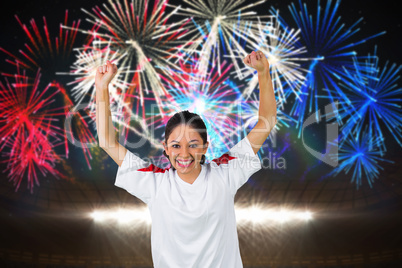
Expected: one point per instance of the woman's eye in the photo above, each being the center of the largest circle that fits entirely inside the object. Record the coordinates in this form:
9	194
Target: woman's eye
177	146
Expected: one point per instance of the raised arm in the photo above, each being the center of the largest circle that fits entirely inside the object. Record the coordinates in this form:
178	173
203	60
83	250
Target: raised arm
267	107
104	123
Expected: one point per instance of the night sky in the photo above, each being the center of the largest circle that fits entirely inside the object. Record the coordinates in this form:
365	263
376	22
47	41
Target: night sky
378	16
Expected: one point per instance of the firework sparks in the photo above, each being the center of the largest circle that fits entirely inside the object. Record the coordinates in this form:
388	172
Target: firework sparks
280	45
123	95
332	45
373	99
27	126
356	155
144	36
44	51
88	60
221	25
84	69
28	153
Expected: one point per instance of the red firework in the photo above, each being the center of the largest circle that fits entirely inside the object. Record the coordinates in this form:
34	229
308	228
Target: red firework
44	51
28	130
31	151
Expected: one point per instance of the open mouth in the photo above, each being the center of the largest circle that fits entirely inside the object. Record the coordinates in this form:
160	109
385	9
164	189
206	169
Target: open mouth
184	164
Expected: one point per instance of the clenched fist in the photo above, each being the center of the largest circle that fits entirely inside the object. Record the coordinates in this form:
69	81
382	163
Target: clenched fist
105	74
258	61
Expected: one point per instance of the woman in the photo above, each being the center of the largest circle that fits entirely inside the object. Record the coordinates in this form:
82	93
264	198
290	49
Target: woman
191	203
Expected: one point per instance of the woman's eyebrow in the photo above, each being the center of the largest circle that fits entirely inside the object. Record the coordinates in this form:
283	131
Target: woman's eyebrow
178	142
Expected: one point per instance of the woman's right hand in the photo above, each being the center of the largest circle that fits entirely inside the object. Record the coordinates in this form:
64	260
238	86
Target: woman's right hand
105	74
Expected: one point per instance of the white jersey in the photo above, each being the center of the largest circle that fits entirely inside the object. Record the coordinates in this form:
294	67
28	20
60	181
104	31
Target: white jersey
193	225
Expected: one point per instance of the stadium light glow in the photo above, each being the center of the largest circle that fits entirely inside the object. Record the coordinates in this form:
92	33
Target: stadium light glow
243	215
269	216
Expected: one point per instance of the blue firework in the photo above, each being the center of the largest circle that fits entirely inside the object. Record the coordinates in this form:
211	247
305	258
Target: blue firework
360	155
332	45
373	100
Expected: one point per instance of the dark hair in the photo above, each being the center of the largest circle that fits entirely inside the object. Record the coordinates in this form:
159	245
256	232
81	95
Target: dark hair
188	118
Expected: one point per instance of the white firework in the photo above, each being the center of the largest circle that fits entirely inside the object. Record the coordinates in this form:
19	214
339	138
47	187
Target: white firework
284	55
149	42
88	59
219	23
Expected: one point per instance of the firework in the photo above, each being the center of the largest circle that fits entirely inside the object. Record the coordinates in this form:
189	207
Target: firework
27	128
144	35
44	50
373	99
280	45
221	25
127	102
88	59
332	46
355	155
31	152
17	110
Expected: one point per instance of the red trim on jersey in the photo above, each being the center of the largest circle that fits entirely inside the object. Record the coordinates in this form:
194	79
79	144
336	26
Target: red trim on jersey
224	159
154	169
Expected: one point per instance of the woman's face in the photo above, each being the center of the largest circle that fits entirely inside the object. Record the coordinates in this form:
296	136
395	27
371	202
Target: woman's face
185	149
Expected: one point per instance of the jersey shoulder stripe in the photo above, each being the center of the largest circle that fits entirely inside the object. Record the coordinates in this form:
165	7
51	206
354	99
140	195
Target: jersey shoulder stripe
154	169
224	159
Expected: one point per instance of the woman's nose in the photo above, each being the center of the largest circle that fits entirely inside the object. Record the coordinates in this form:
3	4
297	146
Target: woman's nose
184	151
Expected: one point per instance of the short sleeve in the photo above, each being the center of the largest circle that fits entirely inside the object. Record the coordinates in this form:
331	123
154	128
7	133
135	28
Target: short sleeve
241	163
139	178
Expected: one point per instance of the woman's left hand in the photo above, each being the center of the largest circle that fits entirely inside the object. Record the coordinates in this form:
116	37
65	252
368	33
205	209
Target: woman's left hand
258	61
